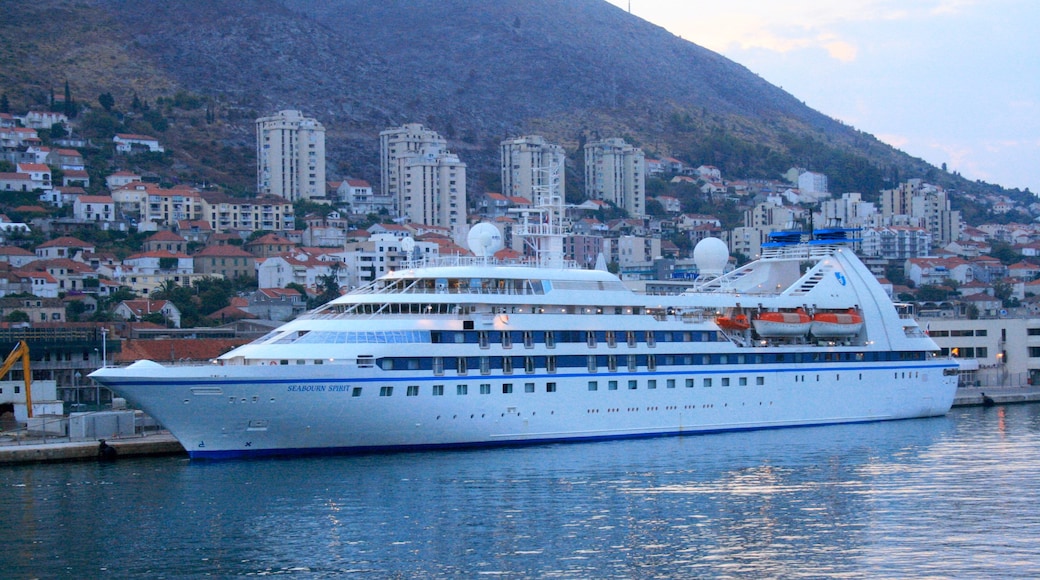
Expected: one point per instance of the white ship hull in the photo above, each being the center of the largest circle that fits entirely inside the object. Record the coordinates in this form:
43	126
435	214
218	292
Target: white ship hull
280	412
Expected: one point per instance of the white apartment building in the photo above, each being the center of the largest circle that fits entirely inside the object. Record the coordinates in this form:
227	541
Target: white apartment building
290	155
925	204
896	242
616	172
532	167
433	190
409	140
810	182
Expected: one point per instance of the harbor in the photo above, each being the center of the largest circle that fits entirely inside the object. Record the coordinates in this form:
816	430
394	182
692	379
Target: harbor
19	447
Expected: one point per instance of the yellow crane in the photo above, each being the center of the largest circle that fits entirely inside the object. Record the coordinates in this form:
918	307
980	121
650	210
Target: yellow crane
21	350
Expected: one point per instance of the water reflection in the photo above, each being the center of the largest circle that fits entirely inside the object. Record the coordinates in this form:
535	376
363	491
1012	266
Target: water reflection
948	497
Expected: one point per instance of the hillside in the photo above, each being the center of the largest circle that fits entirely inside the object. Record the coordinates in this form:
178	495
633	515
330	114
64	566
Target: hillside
475	71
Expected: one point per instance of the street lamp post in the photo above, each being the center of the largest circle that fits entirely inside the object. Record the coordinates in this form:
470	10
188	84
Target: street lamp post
104	347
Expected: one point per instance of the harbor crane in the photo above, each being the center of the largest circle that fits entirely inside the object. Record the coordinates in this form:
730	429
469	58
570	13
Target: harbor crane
21	351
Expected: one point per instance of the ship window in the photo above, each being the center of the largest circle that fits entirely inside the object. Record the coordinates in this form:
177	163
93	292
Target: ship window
485	365
507	365
550	364
632	363
611	340
593	386
507	340
651	384
528	387
413	391
356	392
485	388
528	339
283	362
483	338
633	385
630	336
670	383
438	390
725	381
760	381
461	389
611	363
529	364
611	385
301	362
651	362
386	391
706	382
591	362
651	340
462	365
590	339
550	339
438	365
742	381
507	388
550	387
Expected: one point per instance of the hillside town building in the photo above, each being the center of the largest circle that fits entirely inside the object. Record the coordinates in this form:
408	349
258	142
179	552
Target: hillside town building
290	155
615	172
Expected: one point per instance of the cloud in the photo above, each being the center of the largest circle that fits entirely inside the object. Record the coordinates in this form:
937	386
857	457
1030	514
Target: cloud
897	141
784	27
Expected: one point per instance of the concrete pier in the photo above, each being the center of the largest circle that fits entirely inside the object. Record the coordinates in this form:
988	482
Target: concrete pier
62	449
972	396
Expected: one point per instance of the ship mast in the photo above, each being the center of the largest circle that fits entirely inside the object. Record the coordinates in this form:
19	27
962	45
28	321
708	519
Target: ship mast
541	226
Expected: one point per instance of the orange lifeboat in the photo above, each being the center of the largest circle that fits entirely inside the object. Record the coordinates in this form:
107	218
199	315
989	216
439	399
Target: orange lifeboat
738	322
782	324
837	324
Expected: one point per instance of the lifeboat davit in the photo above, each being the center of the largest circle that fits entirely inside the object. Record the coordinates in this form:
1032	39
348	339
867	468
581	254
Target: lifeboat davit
837	324
738	322
782	324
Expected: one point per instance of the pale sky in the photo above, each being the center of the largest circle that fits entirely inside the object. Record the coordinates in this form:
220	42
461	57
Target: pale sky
949	81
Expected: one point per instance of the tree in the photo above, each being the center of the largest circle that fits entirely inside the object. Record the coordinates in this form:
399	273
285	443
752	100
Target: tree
328	284
58	131
70	106
5	105
17	316
107	101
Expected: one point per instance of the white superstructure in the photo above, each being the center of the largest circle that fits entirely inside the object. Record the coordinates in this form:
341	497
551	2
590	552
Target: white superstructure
469	353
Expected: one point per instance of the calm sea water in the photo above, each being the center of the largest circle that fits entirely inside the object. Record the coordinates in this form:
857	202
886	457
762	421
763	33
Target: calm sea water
951	497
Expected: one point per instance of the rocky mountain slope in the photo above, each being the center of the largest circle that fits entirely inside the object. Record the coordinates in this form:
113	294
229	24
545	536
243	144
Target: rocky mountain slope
475	71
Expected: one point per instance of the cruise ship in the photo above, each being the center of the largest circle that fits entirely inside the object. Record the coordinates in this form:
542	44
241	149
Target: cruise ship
466	352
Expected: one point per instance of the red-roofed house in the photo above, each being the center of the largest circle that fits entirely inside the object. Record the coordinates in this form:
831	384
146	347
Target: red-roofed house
77	177
121	179
43	284
15	256
15	182
39	174
227	261
44	119
269	245
63	247
935	271
135	310
165	240
276	303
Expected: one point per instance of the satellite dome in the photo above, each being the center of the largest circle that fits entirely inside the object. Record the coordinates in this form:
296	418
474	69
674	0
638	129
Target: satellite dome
711	256
484	240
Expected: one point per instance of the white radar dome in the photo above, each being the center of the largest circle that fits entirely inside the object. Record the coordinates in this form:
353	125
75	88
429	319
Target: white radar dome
484	240
711	256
